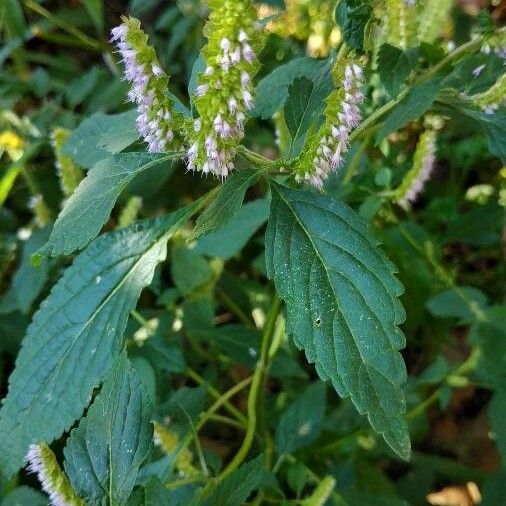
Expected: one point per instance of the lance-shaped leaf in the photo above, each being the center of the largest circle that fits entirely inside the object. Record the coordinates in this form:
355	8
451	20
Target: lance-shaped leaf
103	455
227	204
342	306
89	207
77	333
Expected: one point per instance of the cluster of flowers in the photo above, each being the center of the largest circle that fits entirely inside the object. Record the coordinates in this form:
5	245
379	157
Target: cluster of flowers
42	462
325	150
224	93
157	122
423	165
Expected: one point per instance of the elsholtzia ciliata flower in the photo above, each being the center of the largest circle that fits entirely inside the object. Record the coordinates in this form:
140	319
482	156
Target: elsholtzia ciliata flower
42	462
224	93
325	150
157	122
423	166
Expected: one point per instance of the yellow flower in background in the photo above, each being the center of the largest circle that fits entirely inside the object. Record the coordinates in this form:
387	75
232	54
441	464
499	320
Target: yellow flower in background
11	143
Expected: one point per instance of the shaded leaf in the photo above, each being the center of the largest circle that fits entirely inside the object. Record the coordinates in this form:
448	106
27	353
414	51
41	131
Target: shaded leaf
451	303
352	16
301	423
227	204
189	269
236	488
104	453
228	240
305	103
417	102
394	66
342	304
272	90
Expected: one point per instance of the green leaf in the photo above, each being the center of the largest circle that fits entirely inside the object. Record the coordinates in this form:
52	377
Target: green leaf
229	239
236	488
352	16
305	103
227	204
89	207
24	496
28	280
189	269
489	333
450	303
77	333
272	90
83	86
394	66
104	453
494	125
100	136
301	423
342	304
95	10
417	102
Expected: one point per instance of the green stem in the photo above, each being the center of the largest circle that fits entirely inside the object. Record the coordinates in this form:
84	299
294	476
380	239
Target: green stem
196	377
205	417
214	393
231	304
72	30
256	387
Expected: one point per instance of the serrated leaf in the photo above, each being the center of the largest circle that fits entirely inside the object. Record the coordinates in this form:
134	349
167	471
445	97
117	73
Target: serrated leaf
100	136
305	103
417	102
236	488
394	66
227	204
352	16
89	207
78	332
342	304
301	422
104	453
272	90
229	239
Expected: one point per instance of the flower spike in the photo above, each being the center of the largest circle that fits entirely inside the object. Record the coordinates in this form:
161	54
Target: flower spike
157	122
224	93
42	462
325	151
423	166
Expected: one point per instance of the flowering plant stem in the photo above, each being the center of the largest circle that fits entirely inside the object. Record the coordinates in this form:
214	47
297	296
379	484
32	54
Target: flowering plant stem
256	389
